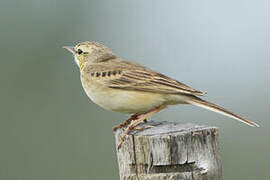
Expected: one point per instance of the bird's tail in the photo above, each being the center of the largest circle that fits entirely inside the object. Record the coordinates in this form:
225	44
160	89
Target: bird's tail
213	107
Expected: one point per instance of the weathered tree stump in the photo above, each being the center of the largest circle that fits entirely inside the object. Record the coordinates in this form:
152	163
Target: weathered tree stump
170	151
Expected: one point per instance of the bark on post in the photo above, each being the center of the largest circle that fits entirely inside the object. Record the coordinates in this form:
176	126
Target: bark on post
170	151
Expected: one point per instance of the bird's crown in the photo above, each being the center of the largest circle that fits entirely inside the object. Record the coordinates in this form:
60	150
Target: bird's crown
91	52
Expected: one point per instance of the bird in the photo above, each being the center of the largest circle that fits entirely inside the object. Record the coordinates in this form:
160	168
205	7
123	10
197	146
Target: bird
127	87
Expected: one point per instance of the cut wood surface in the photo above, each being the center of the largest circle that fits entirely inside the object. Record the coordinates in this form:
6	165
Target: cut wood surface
170	151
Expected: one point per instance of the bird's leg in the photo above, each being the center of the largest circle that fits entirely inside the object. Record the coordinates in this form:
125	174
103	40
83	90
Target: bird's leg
126	122
138	121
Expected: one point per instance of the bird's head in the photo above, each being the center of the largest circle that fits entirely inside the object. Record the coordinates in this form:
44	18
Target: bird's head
90	52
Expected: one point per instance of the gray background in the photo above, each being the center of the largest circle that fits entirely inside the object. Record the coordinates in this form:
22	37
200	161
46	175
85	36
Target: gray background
50	130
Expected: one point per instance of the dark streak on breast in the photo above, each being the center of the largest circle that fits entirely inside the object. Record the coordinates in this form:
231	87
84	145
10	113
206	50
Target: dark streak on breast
109	73
114	72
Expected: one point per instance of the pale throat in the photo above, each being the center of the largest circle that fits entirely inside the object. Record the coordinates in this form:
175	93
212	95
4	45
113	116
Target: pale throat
79	64
76	60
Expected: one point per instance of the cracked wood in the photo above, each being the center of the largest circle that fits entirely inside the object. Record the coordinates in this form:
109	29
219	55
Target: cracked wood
170	151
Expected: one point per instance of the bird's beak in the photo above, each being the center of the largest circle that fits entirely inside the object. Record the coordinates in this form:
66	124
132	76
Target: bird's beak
70	48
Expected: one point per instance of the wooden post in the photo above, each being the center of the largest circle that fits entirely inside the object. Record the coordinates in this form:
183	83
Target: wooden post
170	151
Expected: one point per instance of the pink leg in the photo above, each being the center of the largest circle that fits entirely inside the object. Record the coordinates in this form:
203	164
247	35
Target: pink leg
126	122
138	121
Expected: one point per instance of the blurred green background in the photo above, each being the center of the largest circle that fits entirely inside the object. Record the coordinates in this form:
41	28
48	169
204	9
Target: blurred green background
50	130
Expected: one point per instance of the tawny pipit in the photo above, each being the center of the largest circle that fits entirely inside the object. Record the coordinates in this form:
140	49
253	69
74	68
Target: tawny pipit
127	87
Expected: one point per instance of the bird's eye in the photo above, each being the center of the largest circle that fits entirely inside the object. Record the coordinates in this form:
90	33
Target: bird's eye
79	51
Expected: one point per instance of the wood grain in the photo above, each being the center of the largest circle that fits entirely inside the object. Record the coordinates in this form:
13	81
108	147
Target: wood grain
170	151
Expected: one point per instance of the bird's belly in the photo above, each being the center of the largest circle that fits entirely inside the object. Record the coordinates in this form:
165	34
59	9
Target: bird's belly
124	101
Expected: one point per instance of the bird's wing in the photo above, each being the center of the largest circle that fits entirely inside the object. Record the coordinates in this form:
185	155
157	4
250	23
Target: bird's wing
150	81
134	77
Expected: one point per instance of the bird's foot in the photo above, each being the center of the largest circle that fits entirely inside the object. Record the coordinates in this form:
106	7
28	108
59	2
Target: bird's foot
130	128
126	122
136	122
133	128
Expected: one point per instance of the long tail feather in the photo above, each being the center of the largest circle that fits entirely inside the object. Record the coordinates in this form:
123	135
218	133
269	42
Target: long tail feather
213	107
